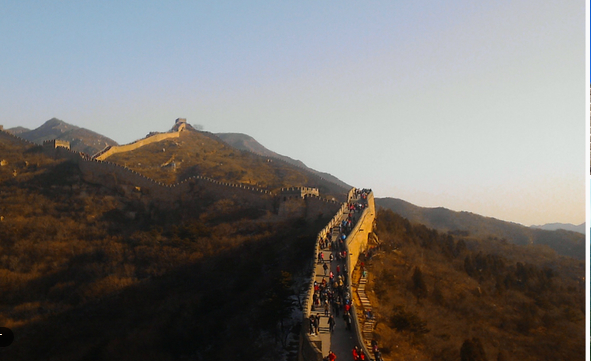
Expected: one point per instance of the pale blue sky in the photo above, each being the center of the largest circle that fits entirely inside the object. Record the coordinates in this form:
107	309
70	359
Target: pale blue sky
476	106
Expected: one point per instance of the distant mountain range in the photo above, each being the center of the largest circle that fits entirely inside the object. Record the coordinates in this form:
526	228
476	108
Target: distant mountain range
566	226
565	242
81	139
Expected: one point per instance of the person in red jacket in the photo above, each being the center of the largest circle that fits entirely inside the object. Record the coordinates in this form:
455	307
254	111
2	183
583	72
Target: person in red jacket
331	356
355	354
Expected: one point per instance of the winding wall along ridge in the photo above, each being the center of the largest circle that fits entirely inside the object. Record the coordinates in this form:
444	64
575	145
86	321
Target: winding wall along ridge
356	242
110	150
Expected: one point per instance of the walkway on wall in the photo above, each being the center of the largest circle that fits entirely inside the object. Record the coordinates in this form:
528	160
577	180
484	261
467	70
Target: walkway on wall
342	341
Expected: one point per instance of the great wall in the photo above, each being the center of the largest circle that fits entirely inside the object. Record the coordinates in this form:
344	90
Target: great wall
133	184
315	348
293	202
179	126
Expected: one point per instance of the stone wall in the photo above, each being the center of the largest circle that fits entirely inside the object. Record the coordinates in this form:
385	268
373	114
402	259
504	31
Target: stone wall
312	350
357	239
126	180
292	207
318	207
11	137
298	192
356	244
110	150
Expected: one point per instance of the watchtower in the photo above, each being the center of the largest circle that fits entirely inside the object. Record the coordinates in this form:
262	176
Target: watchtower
298	192
179	124
54	143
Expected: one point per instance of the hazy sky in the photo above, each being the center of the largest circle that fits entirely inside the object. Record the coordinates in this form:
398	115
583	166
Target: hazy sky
470	105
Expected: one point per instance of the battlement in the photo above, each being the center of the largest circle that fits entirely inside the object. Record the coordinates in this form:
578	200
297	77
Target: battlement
54	143
7	135
298	192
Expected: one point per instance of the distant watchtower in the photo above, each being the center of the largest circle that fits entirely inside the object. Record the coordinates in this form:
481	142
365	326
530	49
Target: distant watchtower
298	192
179	124
50	147
54	143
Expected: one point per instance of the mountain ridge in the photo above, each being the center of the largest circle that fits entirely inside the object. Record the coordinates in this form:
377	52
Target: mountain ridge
245	142
564	242
81	139
579	228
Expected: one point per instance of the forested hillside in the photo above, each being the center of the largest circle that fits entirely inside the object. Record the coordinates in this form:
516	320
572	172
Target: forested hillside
87	273
440	296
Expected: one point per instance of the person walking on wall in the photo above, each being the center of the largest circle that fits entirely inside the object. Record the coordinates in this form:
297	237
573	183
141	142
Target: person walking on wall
317	324
331	356
331	323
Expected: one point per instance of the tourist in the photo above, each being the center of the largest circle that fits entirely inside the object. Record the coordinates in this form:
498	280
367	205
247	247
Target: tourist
317	324
331	356
355	354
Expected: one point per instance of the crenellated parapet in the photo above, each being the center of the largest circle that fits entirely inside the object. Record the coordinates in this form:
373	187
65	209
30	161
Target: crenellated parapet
298	192
7	135
129	181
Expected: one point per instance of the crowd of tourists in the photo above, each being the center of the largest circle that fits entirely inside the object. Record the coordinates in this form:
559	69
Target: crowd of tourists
331	293
331	296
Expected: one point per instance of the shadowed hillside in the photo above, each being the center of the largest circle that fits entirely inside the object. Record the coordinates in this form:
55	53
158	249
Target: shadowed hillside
114	278
81	139
564	242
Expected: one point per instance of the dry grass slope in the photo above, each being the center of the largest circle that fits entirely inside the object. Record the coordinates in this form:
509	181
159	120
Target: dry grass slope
195	153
